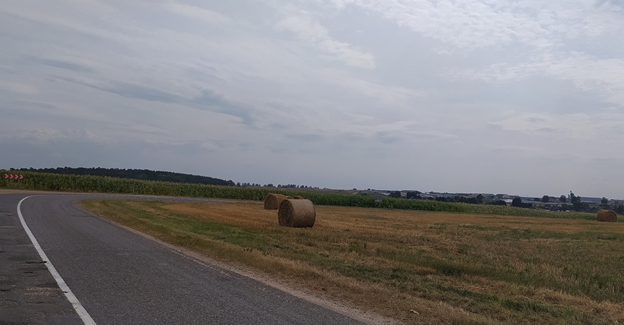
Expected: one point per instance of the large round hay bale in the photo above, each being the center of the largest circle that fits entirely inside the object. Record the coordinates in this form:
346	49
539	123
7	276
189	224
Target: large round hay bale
607	215
272	201
296	213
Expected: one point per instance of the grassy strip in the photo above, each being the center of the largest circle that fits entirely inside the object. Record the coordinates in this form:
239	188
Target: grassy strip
485	269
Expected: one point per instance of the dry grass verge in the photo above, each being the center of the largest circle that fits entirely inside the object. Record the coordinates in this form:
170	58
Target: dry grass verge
413	266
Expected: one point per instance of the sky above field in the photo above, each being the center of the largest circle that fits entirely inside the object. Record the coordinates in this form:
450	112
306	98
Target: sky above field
521	97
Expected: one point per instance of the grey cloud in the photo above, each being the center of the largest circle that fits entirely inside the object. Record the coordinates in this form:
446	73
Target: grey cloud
276	126
64	65
504	150
31	116
83	152
536	93
68	153
386	137
309	137
216	103
207	100
26	109
190	149
320	144
546	130
613	2
138	92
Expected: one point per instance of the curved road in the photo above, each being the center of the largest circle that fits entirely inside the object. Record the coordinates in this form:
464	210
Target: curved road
121	277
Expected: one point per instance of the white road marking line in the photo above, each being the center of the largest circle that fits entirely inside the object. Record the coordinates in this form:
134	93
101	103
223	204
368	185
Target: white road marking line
84	315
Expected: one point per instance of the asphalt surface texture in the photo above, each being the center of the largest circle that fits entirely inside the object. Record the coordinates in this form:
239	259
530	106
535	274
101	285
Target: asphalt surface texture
121	277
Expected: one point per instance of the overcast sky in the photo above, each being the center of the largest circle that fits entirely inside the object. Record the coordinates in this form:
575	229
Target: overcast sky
521	97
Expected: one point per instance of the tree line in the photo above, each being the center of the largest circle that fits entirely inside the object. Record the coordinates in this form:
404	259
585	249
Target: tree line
140	174
574	202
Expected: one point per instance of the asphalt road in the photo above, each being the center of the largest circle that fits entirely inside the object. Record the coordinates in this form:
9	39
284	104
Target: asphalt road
121	277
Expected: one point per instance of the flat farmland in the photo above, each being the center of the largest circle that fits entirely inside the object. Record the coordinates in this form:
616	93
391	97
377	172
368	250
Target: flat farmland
412	266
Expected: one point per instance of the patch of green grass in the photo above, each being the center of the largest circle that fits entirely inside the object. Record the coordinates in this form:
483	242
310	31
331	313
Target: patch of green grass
479	302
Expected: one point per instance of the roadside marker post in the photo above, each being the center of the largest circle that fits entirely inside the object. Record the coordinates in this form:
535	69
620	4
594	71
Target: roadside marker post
13	176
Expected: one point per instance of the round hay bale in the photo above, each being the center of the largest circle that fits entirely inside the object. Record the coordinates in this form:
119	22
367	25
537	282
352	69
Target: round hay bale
607	215
272	201
296	213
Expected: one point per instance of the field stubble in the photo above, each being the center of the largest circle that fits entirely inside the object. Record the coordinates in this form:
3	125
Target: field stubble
413	266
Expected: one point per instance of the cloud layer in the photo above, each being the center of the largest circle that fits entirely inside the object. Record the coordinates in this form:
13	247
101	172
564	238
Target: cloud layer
522	97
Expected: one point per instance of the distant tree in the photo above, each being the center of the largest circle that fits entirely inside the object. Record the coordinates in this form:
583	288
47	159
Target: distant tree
480	199
619	209
545	198
604	201
413	195
537	199
516	202
396	194
471	200
499	202
563	199
577	205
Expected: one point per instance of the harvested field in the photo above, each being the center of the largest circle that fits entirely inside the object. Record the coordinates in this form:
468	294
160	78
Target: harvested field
413	266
